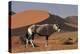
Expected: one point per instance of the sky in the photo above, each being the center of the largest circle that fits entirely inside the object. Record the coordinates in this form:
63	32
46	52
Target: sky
62	10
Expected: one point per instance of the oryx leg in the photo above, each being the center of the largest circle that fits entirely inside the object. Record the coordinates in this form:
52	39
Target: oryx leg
31	41
30	33
27	41
46	41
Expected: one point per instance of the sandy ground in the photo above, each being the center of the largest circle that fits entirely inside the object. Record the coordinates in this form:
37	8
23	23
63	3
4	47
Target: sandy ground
56	42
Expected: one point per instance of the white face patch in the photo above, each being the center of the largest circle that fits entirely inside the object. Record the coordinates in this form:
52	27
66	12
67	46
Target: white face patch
59	30
55	27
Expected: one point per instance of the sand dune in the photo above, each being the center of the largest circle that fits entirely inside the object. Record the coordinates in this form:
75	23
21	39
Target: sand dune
72	19
28	17
20	21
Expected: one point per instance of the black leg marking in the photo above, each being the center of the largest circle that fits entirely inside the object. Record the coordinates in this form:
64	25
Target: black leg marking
46	41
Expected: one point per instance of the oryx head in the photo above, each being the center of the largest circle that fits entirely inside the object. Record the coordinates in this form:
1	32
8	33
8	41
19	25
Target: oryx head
56	27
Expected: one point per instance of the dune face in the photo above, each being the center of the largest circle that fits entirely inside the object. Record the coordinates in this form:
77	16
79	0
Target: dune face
72	20
28	17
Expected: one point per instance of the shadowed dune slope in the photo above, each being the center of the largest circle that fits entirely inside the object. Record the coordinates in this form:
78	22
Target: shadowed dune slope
72	19
63	24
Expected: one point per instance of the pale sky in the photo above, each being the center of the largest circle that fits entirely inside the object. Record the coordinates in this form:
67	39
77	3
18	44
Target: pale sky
62	10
